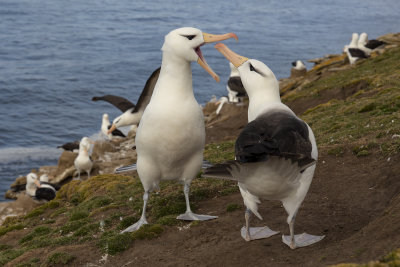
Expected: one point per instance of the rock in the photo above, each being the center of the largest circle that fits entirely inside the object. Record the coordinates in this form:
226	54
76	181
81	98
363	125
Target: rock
294	73
101	147
60	178
19	184
51	171
21	206
10	194
65	162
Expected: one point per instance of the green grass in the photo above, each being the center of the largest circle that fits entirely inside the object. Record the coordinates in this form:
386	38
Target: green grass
59	258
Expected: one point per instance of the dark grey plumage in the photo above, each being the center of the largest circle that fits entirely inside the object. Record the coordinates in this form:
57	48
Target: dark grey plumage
235	84
275	133
147	92
372	44
272	134
119	102
116	132
358	53
71	146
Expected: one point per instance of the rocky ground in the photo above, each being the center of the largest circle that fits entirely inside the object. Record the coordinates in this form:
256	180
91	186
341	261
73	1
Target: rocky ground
354	199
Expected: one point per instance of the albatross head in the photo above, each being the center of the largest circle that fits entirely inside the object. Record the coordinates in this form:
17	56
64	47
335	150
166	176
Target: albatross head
186	42
256	77
31	177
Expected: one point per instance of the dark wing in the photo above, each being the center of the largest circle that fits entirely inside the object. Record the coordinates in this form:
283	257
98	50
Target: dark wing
116	132
220	171
147	92
372	44
70	146
56	187
121	103
355	52
276	133
45	193
235	84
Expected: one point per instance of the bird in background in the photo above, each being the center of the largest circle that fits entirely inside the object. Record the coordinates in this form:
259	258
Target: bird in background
131	113
83	161
105	127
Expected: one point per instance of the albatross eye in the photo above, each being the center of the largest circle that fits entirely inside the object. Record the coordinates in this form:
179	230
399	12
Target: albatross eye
190	37
252	68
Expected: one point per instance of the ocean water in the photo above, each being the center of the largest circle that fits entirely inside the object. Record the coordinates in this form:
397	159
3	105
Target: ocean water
56	55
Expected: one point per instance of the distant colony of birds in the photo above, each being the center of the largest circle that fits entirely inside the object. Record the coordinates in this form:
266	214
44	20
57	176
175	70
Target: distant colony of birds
275	153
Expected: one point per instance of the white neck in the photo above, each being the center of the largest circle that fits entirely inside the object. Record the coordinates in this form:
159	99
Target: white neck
260	100
177	72
129	118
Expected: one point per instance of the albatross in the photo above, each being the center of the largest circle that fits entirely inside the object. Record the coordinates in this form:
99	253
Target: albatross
234	86
83	162
275	154
106	126
131	113
368	45
171	135
353	52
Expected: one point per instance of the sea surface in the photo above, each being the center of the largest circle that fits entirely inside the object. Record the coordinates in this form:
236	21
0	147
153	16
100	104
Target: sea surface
56	55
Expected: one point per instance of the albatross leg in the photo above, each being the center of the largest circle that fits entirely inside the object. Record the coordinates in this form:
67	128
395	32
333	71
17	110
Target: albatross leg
292	205
298	241
253	233
189	215
79	175
142	221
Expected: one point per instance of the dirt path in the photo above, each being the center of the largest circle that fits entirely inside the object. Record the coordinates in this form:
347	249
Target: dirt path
350	201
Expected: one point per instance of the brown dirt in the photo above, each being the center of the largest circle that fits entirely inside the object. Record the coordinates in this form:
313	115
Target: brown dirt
351	201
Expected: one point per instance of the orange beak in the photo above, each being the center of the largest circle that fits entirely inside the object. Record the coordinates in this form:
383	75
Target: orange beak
210	38
235	59
113	127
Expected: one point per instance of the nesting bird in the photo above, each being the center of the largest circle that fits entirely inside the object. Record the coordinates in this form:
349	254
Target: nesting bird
298	69
83	162
71	146
106	126
40	190
234	86
368	46
275	154
352	50
171	134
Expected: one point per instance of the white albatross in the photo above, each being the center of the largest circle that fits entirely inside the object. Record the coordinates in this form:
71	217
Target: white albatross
83	162
352	50
275	154
368	45
171	135
105	129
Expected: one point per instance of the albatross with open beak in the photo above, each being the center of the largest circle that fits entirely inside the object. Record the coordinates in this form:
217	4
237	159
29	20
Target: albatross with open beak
275	154
171	135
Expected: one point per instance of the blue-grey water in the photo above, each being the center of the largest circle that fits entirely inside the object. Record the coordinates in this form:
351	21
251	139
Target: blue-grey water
55	55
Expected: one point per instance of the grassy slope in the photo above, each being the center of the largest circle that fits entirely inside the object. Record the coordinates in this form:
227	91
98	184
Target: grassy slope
93	212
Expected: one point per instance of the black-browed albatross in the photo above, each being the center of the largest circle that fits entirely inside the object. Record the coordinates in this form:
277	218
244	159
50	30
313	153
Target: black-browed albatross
234	86
83	161
353	52
106	126
368	45
131	113
171	135
275	154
